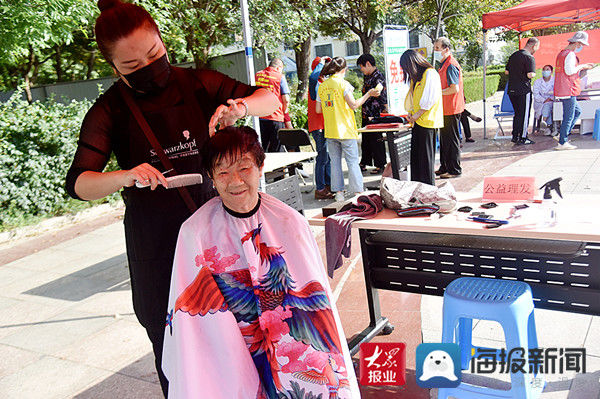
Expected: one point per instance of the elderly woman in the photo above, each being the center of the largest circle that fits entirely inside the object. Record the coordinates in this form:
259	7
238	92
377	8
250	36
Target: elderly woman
543	98
249	313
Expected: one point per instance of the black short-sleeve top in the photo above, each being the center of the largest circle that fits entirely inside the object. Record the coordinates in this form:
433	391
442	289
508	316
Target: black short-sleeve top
520	63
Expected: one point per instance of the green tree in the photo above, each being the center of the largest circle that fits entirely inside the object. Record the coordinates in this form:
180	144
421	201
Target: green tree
364	18
33	31
459	20
294	22
195	27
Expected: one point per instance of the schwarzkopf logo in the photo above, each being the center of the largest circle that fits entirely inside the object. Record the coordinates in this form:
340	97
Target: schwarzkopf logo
181	149
186	134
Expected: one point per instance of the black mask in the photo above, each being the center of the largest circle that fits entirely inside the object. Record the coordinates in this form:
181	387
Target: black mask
152	78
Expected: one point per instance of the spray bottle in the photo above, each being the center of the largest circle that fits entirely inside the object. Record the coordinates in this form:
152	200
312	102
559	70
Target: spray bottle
548	204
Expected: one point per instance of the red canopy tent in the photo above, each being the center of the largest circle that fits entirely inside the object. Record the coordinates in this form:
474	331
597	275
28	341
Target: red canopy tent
537	14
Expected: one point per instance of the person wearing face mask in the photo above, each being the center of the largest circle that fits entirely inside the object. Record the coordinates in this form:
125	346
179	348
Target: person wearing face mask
273	79
373	144
155	114
567	86
453	100
520	69
543	98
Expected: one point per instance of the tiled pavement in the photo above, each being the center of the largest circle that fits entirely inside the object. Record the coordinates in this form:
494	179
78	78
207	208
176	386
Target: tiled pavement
67	327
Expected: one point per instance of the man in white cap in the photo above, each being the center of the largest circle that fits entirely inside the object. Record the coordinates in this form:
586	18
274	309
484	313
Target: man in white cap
567	85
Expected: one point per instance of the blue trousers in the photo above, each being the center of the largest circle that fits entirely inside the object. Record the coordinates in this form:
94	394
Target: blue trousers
571	112
323	163
348	149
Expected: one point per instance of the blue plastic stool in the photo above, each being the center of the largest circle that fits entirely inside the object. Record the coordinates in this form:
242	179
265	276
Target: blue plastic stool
508	302
596	134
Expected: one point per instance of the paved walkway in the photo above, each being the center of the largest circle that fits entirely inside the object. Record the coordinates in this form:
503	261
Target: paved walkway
67	327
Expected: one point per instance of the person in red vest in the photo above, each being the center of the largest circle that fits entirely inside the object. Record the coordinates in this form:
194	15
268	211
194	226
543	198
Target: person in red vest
454	104
567	86
273	79
315	127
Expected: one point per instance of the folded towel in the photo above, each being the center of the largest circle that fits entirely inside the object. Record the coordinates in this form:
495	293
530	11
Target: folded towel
338	228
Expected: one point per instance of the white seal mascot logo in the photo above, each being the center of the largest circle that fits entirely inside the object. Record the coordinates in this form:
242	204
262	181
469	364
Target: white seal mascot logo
438	364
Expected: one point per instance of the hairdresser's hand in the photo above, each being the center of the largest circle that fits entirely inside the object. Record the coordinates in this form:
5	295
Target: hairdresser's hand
144	173
587	66
226	115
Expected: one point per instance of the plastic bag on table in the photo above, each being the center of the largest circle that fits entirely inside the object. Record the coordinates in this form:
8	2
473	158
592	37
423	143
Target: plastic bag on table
398	194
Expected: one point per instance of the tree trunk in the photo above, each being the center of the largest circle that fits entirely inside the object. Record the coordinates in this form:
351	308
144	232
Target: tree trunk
366	41
28	89
58	63
302	52
26	70
90	64
201	58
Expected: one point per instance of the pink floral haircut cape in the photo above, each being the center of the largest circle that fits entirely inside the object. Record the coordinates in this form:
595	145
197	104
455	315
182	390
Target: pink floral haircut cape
250	312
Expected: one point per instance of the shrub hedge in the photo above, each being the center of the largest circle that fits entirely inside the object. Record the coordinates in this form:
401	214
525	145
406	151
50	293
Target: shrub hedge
473	86
37	143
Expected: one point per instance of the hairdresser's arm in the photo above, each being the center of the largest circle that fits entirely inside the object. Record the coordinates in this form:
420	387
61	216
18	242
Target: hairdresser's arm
260	103
92	185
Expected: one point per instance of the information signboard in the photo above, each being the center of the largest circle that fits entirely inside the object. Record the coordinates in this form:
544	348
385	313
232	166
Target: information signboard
395	43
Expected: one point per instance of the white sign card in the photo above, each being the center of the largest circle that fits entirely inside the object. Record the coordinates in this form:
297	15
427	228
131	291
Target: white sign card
395	43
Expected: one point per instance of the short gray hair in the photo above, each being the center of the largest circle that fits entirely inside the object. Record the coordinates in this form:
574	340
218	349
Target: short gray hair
275	62
444	41
532	41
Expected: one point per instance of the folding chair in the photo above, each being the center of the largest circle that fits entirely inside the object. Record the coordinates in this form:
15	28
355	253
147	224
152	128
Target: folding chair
297	138
287	191
504	110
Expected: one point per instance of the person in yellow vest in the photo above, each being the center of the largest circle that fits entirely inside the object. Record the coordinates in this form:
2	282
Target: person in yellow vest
335	100
425	112
453	101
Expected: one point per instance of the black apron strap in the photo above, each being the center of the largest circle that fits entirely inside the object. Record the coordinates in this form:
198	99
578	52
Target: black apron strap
135	110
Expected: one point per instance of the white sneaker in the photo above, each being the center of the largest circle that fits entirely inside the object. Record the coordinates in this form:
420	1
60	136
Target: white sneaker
339	196
546	131
565	146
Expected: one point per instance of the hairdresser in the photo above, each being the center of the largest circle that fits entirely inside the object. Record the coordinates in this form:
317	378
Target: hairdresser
153	119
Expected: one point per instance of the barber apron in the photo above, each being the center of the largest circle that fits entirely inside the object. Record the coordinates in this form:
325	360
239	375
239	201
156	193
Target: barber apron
153	218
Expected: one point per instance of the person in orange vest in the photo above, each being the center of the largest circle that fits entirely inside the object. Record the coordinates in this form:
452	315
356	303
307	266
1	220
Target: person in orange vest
567	86
273	79
454	104
316	128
